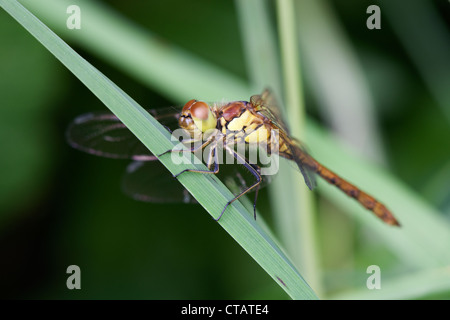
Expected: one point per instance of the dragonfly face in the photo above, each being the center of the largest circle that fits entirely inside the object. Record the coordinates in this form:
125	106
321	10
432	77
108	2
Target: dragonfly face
253	122
197	117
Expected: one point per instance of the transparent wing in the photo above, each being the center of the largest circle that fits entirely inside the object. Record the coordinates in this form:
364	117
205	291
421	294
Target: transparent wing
103	134
149	181
308	175
267	105
237	178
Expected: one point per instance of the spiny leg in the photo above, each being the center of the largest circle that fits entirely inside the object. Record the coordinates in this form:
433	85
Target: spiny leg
192	149
253	171
212	155
258	169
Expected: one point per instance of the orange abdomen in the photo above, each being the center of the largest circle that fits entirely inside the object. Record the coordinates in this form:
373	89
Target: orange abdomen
363	198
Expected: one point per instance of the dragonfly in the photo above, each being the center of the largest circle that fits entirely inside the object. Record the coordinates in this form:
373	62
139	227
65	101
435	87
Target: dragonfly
214	128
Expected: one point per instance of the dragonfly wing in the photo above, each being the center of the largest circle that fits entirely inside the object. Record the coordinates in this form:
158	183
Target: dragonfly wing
103	134
149	181
308	174
238	178
266	104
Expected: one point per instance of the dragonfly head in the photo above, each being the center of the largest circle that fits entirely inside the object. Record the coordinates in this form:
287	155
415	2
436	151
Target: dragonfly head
197	117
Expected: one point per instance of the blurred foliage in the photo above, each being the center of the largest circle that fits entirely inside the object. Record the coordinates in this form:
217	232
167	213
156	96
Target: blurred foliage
59	207
25	115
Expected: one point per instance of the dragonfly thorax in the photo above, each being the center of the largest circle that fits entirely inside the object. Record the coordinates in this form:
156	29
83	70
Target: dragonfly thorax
236	118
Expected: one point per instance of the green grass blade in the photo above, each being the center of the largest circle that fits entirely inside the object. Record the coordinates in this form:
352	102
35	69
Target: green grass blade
260	45
207	189
305	236
351	115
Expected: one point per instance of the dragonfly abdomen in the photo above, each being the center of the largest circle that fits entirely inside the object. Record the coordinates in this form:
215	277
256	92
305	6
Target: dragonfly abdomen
349	189
363	198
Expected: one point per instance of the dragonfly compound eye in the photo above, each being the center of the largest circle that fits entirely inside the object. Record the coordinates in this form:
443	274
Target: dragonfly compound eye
200	110
203	116
188	105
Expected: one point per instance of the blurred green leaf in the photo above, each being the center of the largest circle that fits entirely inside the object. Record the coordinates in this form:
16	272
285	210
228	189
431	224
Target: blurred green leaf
412	286
26	156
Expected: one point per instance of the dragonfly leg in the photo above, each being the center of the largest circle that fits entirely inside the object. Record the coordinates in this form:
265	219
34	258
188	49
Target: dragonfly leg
258	169
192	149
255	173
212	159
167	128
